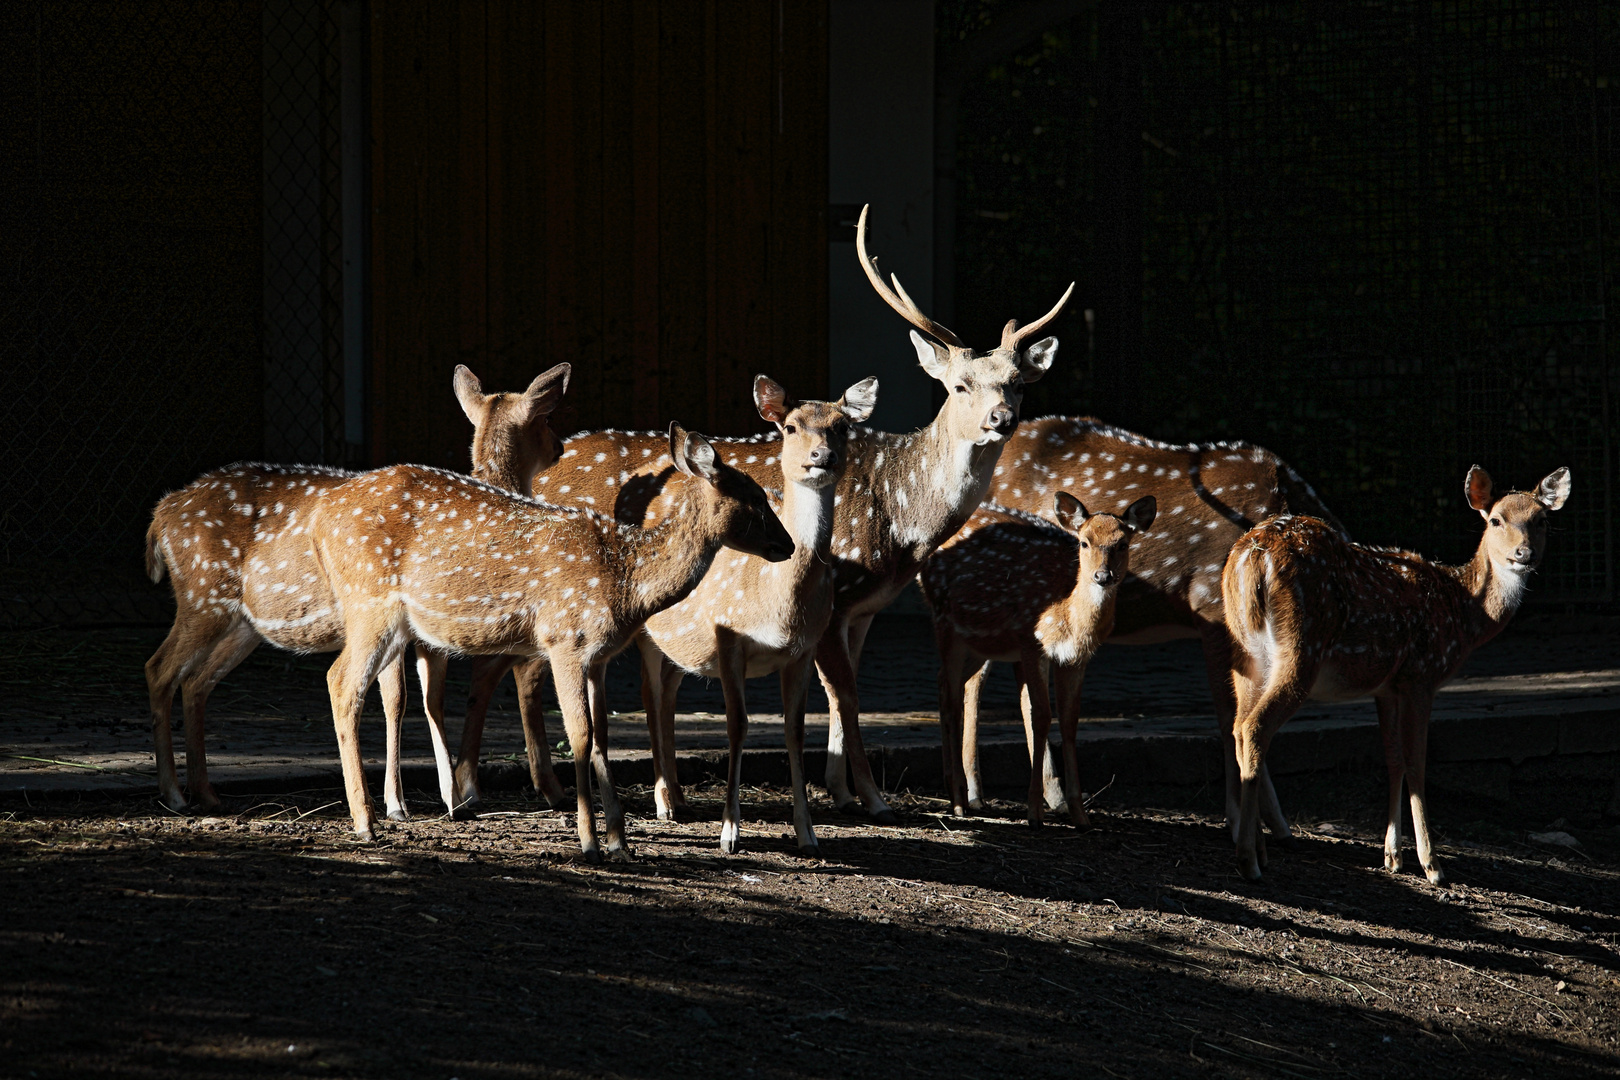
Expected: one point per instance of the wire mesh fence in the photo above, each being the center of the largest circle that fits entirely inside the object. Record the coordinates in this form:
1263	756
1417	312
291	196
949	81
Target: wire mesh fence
1374	238
169	265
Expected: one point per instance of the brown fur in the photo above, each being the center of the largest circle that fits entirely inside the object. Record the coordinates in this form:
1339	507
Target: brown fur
1315	616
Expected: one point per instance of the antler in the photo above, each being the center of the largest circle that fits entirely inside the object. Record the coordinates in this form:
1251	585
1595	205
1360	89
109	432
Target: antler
1012	335
896	297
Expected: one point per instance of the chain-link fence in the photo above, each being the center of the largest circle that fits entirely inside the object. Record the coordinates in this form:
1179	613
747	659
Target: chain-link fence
1374	238
170	275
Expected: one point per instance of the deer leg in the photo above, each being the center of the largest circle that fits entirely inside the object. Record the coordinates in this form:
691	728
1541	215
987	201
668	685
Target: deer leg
391	684
1069	680
1253	732
795	685
1389	726
162	672
612	809
1052	787
531	677
568	676
660	682
431	666
1039	730
1414	722
487	673
844	733
348	679
732	672
970	736
1218	669
954	742
195	687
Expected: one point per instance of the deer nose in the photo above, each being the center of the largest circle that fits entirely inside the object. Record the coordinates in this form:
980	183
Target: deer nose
1103	577
824	457
1001	420
1522	553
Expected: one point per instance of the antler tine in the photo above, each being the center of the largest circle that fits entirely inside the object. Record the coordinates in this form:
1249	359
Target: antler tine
1013	335
900	302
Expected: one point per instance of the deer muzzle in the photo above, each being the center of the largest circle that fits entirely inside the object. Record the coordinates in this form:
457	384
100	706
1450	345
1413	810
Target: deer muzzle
1002	420
822	457
1104	577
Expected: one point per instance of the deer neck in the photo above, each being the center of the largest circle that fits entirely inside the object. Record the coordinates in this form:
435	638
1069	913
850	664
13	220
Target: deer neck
938	480
662	565
501	471
1085	618
1496	594
807	513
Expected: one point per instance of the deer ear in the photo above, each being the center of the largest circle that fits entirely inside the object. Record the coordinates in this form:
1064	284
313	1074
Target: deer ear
470	392
692	453
1554	490
1478	486
1070	511
771	400
546	392
1140	514
859	400
929	356
1036	360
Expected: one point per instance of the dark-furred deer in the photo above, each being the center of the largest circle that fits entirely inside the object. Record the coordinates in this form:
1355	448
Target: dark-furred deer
1011	587
1208	495
1315	616
900	497
419	554
236	546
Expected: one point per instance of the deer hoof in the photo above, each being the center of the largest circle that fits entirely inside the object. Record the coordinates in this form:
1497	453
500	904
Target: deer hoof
465	811
729	844
363	835
591	856
1249	867
810	851
975	803
1034	823
1078	817
1393	861
619	854
400	814
852	808
1435	875
886	817
553	793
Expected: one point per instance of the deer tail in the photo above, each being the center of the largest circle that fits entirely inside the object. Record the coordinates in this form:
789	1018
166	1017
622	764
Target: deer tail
1243	583
155	564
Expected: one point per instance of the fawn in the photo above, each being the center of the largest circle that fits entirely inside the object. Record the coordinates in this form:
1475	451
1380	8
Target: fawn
1011	587
748	617
1315	616
899	498
1209	494
413	553
236	546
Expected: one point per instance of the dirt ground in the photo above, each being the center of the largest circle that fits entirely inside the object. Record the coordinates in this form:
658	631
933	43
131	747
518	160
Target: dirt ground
267	943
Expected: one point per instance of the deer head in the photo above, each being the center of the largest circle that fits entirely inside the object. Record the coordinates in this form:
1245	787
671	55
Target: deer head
1105	540
814	432
985	390
512	440
1515	523
733	504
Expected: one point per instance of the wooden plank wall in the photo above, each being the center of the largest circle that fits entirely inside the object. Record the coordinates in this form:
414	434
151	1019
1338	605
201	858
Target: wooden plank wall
638	188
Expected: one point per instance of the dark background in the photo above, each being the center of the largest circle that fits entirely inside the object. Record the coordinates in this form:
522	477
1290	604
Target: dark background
1374	237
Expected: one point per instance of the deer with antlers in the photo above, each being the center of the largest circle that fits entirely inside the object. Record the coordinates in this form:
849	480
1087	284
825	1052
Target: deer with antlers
1208	495
412	553
1317	617
237	548
900	497
1011	587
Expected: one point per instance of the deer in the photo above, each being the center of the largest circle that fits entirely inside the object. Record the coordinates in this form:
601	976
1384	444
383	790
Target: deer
749	617
235	545
899	498
1315	616
1208	495
1011	587
413	553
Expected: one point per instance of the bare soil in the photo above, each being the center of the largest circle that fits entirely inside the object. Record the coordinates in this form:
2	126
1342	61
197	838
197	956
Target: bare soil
268	943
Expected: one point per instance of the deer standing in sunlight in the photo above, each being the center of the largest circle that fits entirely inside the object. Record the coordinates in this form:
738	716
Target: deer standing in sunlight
237	548
418	554
1208	495
1317	617
899	498
1011	587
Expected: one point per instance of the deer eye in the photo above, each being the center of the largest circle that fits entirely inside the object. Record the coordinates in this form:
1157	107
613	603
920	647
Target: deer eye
960	389
1084	544
791	429
1496	521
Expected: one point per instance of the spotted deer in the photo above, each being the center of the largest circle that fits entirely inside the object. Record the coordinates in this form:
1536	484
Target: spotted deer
235	544
900	497
1314	616
749	617
1011	587
1208	495
419	554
